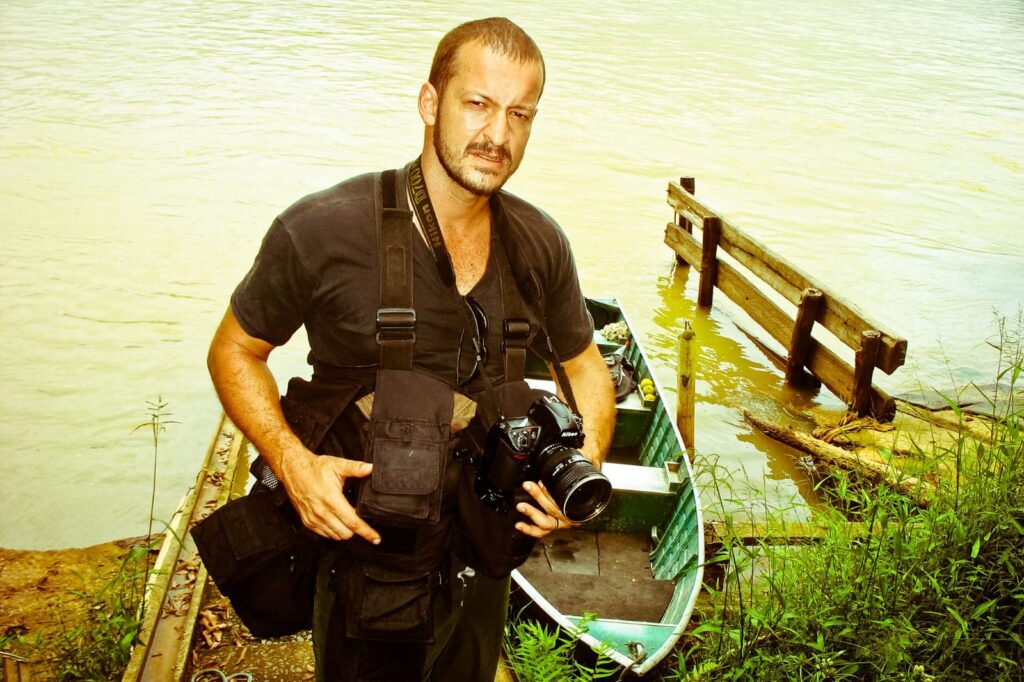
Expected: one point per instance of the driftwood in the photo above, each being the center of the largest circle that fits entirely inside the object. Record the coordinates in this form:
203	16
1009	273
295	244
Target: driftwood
917	490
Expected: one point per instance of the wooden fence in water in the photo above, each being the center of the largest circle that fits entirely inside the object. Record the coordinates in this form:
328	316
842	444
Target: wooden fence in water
873	346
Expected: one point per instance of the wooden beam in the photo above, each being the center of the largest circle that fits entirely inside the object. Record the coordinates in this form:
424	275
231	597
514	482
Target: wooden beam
838	316
823	363
711	232
863	364
800	340
773	533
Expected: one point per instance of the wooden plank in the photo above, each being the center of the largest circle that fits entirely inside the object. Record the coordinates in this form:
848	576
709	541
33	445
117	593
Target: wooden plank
684	244
787	533
800	340
839	316
168	622
690	185
823	363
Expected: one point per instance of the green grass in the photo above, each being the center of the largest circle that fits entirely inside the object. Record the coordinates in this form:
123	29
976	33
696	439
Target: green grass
905	594
99	646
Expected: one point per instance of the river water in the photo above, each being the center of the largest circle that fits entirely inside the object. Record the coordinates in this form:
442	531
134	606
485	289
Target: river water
146	146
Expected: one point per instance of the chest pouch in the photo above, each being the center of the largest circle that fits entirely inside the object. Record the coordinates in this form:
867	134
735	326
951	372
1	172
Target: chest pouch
407	443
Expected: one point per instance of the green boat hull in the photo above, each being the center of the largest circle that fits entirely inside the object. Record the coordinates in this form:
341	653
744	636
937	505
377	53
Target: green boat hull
639	565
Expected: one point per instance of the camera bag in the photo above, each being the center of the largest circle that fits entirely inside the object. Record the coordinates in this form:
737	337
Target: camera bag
255	547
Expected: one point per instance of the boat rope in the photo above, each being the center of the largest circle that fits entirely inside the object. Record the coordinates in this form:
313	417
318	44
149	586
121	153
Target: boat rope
639	656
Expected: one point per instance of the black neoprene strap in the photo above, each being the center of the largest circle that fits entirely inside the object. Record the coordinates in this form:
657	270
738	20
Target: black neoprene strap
396	318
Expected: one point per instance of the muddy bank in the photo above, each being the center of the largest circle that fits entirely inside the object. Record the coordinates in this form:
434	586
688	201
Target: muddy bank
39	592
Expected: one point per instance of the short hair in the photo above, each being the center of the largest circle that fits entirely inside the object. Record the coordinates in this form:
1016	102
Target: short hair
497	33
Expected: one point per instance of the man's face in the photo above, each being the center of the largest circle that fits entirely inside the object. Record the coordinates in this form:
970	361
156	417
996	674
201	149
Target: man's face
484	118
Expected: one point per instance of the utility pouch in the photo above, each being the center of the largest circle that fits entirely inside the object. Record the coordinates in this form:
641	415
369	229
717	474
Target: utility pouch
263	560
385	604
409	431
484	538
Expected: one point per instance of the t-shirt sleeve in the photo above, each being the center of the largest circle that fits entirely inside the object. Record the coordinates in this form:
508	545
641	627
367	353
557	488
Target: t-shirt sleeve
565	310
273	298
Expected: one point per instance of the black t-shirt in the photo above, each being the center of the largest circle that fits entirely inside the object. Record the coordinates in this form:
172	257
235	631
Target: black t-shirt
318	266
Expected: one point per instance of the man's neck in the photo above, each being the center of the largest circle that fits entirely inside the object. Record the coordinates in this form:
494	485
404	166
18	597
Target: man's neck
460	213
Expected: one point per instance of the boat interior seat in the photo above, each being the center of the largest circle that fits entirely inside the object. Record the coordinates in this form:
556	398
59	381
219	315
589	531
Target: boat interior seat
643	497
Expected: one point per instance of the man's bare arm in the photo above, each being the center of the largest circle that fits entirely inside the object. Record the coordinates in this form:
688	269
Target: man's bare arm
248	392
595	398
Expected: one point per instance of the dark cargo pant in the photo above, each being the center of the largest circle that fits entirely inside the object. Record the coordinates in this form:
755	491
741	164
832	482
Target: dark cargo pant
469	617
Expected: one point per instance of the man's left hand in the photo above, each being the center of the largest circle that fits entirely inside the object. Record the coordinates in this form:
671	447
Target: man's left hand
547	519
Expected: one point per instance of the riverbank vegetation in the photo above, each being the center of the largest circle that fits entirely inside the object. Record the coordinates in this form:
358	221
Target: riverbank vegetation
893	590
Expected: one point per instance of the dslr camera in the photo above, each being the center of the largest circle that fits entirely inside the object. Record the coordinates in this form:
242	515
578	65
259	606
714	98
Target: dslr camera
542	446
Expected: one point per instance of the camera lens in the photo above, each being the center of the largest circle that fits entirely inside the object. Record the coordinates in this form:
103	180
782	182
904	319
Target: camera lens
580	491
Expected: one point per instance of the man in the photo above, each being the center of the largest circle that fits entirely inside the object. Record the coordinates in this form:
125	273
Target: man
318	266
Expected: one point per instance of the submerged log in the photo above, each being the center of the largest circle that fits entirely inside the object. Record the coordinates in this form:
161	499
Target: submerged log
916	489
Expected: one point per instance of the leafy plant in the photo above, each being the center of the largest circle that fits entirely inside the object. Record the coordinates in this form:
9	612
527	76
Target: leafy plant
99	646
539	654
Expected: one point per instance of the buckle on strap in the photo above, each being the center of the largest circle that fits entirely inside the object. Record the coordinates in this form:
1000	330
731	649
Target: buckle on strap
516	333
396	324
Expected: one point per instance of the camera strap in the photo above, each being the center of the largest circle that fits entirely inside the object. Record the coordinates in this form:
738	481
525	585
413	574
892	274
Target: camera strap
428	219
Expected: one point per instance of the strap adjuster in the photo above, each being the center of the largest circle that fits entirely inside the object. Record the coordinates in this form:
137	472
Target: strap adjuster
516	333
396	324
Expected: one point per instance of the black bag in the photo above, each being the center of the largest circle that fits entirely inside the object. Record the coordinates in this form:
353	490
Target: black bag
255	547
263	560
623	375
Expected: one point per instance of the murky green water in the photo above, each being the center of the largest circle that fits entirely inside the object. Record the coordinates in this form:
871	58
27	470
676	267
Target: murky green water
145	147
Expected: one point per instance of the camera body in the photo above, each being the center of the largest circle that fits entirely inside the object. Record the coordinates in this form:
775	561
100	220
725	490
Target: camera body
543	447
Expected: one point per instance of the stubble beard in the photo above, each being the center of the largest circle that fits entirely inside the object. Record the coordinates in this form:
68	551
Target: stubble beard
451	160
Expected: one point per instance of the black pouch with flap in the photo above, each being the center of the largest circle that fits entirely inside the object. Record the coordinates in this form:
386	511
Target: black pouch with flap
407	443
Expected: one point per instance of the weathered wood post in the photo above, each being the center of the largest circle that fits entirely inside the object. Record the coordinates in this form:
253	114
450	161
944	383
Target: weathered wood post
712	233
800	341
863	368
689	184
15	668
686	381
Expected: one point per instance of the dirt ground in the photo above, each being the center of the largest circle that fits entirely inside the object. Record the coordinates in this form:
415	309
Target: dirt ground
37	598
37	591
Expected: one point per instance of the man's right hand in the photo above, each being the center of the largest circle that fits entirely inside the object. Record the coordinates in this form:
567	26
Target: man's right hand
315	486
